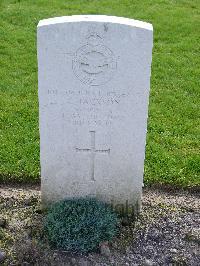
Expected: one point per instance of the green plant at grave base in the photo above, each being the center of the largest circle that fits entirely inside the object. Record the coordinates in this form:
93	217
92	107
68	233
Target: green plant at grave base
80	224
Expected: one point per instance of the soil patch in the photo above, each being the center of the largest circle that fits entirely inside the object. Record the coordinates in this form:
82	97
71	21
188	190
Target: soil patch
165	233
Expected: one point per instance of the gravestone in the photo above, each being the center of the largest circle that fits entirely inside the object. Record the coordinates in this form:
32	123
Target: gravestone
94	79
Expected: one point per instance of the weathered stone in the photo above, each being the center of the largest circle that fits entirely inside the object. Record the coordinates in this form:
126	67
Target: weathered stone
94	79
73	262
148	262
104	249
173	250
83	262
2	256
2	222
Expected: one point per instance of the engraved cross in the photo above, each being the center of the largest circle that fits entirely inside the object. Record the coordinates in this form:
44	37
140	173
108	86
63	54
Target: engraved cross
92	150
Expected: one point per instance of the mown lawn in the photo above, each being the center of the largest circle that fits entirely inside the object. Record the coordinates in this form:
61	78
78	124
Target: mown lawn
172	153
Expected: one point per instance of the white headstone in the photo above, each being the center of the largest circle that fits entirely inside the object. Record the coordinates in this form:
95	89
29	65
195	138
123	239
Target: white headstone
94	79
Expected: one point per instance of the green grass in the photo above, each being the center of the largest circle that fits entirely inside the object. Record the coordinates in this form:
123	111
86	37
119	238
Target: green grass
173	129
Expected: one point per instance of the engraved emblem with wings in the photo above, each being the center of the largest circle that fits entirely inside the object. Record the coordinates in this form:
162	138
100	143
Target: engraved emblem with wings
94	63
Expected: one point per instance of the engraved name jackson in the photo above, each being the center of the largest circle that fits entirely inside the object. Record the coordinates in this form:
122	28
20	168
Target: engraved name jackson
88	107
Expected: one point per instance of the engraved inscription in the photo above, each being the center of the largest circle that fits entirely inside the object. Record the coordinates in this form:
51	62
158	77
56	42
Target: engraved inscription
92	150
89	107
94	63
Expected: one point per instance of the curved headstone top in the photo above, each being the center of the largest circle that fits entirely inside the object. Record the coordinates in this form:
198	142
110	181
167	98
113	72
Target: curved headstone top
96	18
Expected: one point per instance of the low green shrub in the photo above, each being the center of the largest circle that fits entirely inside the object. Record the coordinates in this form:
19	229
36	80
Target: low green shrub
80	224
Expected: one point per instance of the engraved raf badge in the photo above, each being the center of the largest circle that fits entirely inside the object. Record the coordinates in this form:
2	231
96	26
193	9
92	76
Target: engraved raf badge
94	64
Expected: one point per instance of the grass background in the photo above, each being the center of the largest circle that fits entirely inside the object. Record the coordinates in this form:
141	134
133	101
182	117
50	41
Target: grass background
172	154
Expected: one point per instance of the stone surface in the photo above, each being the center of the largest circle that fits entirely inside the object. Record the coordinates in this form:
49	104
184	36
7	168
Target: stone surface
94	79
2	222
2	256
104	249
148	262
